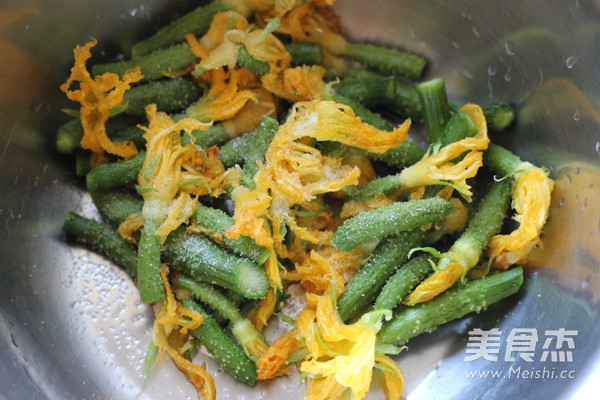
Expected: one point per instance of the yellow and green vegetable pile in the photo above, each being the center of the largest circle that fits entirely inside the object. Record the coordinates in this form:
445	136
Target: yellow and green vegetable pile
237	153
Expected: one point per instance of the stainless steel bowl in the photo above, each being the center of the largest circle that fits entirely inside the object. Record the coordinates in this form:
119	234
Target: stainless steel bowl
71	325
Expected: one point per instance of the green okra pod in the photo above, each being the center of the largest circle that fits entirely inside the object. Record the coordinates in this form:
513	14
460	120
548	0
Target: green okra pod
209	295
405	99
233	152
228	353
367	92
402	156
305	53
500	160
436	110
168	94
362	74
149	281
243	330
196	22
499	116
213	136
467	249
256	153
486	222
132	133
205	261
406	278
459	126
68	137
363	288
119	173
301	53
161	63
117	204
103	238
455	303
82	163
386	60
388	220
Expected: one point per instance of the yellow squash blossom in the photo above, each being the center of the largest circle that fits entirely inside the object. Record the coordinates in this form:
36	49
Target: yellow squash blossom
132	223
440	167
169	316
301	83
393	377
248	117
223	100
442	279
224	37
340	356
531	194
266	307
171	172
98	96
324	267
309	22
272	363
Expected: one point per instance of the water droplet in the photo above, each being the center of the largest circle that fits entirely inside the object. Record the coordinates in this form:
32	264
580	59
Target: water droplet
39	106
561	202
568	178
507	77
577	115
492	70
571	61
586	281
510	47
574	7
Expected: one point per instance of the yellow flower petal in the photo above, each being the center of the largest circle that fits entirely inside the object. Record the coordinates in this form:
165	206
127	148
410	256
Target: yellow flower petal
223	100
326	266
97	97
260	316
393	377
531	194
272	362
436	283
344	352
439	167
132	224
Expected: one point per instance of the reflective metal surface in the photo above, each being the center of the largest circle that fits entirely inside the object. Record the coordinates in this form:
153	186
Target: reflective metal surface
71	325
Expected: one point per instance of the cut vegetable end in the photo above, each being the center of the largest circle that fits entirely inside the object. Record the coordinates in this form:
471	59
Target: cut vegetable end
253	282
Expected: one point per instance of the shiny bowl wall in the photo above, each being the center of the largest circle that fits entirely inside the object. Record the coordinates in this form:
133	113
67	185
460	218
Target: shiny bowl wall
71	324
